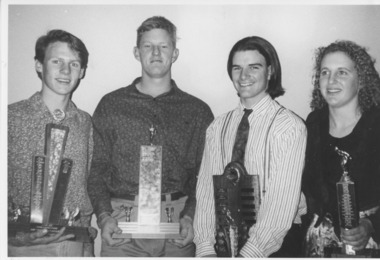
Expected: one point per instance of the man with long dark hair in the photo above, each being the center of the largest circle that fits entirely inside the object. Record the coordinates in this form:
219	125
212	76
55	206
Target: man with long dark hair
274	152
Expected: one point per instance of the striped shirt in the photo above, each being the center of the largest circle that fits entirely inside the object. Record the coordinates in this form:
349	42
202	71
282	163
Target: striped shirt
282	203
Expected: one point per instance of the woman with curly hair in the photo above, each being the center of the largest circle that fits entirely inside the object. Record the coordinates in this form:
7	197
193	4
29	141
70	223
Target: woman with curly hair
345	117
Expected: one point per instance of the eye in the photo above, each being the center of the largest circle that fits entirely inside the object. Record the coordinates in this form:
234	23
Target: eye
342	73
56	61
324	73
254	67
75	64
147	46
236	68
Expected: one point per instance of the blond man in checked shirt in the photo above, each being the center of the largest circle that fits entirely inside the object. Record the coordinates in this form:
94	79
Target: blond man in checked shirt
255	71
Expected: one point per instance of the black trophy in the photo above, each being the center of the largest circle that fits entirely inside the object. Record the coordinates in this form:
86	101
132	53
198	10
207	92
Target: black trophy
237	200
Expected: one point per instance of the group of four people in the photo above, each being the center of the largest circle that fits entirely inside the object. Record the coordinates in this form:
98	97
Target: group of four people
296	163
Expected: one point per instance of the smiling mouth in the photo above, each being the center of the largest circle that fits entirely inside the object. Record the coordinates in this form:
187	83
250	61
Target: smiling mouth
246	84
333	91
63	81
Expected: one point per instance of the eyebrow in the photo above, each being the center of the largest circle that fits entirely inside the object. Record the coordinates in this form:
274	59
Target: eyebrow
251	64
339	68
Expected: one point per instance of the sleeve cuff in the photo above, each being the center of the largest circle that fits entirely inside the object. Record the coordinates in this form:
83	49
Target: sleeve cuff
249	250
101	217
204	249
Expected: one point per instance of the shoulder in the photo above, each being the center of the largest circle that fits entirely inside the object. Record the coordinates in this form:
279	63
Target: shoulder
116	94
20	112
84	116
197	102
112	100
19	107
316	116
220	121
286	120
372	120
374	115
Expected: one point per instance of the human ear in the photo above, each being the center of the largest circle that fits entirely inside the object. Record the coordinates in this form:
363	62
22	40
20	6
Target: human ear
175	55
136	53
269	71
38	66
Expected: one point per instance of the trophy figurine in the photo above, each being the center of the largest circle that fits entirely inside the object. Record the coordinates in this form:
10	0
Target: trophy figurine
149	224
49	180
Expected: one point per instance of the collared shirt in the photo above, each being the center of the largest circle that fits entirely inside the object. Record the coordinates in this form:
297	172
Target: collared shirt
27	120
122	121
281	205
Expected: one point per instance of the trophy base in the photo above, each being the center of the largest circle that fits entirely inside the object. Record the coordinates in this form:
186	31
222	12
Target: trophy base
336	252
161	231
81	233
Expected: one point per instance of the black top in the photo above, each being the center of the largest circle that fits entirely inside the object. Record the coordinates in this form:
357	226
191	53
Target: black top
323	169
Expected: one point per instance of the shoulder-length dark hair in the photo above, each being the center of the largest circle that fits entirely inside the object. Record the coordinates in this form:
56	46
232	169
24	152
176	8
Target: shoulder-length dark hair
265	48
369	93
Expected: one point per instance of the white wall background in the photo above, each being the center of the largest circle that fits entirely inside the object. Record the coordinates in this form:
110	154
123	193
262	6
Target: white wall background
207	33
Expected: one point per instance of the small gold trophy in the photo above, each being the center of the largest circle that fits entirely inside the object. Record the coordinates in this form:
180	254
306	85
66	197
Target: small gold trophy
348	211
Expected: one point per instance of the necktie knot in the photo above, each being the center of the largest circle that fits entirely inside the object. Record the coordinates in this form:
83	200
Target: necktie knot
247	112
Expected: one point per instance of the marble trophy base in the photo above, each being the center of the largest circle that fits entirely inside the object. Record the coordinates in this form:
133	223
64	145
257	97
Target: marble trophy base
136	230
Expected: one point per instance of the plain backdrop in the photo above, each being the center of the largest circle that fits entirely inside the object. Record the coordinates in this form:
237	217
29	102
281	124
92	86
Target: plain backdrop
206	34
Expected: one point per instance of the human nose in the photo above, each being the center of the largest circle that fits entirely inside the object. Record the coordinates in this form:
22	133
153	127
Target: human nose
156	50
332	77
65	68
244	73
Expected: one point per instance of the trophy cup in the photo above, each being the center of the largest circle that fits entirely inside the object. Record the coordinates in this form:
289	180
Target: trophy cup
237	200
347	209
50	177
149	223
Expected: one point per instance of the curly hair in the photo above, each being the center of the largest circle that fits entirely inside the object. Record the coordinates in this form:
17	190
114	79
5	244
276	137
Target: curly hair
369	80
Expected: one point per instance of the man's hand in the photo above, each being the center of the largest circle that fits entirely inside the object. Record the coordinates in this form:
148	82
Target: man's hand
39	237
358	237
109	226
186	232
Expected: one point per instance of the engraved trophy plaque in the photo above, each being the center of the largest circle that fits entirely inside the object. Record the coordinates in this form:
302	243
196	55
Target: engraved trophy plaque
49	181
149	224
237	201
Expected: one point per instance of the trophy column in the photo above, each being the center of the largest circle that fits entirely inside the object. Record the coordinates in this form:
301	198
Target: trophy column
149	223
347	208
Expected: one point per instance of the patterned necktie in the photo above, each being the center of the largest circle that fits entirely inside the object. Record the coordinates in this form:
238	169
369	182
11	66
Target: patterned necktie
241	138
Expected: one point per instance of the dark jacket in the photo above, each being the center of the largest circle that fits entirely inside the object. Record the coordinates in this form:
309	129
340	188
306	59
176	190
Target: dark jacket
364	168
